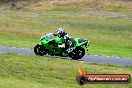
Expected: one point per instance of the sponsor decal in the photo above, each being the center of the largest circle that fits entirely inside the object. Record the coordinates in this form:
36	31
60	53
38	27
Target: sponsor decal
83	78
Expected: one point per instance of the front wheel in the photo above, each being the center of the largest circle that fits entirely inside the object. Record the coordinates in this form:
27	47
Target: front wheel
78	53
40	50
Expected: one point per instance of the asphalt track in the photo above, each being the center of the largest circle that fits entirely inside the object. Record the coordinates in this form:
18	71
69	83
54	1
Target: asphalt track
89	58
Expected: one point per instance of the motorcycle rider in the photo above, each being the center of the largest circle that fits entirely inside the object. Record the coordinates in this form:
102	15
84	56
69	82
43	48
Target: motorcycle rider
66	40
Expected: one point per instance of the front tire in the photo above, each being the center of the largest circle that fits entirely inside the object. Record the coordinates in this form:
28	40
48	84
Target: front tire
40	50
78	53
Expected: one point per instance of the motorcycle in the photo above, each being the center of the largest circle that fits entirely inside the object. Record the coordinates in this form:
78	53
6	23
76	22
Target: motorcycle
52	45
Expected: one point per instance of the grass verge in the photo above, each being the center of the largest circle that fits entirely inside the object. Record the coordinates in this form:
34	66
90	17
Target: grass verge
19	71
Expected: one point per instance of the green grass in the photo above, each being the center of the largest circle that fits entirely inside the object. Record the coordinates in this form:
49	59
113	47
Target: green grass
107	36
19	71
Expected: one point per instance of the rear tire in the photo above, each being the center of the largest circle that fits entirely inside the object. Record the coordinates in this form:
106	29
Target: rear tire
78	53
40	50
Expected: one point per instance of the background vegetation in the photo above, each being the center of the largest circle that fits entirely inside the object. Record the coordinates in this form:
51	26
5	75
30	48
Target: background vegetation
73	5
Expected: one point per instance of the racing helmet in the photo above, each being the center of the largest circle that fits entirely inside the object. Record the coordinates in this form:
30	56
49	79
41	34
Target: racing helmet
61	32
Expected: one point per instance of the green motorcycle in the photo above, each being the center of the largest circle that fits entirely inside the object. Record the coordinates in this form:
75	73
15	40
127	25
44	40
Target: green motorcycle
54	46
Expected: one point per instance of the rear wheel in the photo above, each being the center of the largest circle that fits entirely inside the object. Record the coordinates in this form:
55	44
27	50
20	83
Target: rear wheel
40	50
78	53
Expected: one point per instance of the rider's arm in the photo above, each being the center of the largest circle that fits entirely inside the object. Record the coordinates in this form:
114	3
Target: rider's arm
55	34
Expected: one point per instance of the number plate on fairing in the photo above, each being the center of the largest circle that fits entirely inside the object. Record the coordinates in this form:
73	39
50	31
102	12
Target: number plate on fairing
70	49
